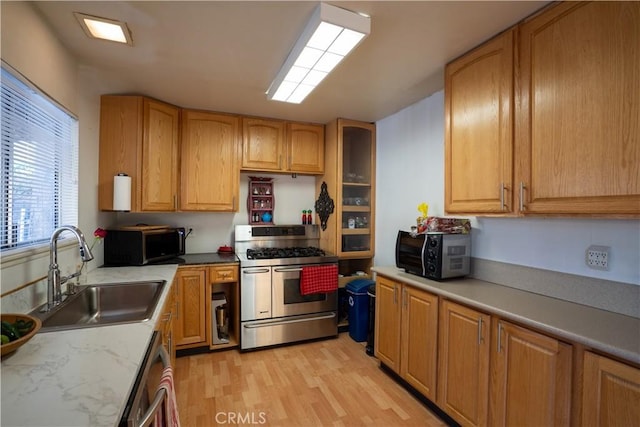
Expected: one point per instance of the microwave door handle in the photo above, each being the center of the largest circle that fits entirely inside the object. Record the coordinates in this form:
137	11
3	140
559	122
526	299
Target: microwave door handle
182	237
161	394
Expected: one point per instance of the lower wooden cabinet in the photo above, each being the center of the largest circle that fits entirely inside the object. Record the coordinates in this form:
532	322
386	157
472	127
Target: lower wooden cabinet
191	329
224	278
387	327
406	333
463	374
611	392
530	378
166	324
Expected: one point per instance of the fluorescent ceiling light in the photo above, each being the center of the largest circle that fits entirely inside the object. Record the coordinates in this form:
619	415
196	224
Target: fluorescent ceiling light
103	28
328	37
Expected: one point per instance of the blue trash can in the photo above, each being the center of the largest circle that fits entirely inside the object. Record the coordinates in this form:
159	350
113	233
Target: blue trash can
358	308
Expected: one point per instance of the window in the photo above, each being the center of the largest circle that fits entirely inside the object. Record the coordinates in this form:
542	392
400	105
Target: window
39	165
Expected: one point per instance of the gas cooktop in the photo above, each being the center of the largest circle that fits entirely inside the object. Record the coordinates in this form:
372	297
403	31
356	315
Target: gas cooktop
287	252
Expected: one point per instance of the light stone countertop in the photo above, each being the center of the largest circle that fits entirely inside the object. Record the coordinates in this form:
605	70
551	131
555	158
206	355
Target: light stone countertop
80	377
602	330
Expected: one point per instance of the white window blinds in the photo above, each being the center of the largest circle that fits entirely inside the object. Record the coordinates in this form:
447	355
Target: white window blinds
39	166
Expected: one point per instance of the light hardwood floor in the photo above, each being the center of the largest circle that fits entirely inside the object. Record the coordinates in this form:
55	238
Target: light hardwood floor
323	383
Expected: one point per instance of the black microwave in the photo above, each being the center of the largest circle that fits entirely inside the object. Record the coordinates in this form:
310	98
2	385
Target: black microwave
142	245
435	256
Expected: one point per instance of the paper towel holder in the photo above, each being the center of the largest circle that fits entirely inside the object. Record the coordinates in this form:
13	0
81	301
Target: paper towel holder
122	192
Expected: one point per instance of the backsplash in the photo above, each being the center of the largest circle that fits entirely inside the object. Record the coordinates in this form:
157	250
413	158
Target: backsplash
617	297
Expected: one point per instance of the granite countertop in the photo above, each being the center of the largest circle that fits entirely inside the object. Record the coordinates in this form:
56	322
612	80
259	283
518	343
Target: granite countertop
80	377
616	334
203	258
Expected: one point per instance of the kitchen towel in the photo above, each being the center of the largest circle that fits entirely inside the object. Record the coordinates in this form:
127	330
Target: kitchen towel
167	414
318	279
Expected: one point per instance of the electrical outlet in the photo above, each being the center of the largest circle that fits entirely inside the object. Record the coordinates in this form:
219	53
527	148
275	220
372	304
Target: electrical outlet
597	257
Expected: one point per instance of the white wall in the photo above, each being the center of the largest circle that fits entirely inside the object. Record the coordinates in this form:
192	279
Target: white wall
29	47
410	170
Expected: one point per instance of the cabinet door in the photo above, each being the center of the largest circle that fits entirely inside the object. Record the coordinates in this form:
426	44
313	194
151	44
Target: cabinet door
305	148
463	382
611	392
159	157
578	109
262	144
531	378
478	129
419	340
191	327
387	328
120	147
210	177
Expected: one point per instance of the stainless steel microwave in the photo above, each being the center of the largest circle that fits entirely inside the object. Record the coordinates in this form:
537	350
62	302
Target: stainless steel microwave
435	256
142	245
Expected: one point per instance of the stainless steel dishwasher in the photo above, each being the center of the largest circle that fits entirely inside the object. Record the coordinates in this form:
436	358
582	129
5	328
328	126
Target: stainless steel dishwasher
146	399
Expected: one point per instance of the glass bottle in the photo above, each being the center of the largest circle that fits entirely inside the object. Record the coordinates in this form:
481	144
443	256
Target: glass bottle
309	217
304	217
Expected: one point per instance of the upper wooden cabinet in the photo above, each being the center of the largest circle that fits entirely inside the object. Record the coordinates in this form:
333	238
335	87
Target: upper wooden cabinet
209	175
479	129
262	144
350	153
578	109
139	137
305	148
555	131
278	146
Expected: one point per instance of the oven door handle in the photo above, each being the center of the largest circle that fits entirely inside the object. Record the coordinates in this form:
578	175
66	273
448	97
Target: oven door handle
161	394
284	322
256	271
287	270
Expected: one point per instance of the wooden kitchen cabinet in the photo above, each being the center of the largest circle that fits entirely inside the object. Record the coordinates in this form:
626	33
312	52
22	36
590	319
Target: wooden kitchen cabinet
167	323
224	278
419	346
542	119
350	148
530	378
611	392
387	326
139	137
191	328
278	146
210	174
262	144
578	108
305	148
463	373
479	129
406	331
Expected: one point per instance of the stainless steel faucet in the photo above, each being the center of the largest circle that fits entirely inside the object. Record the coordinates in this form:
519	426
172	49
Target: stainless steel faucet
54	282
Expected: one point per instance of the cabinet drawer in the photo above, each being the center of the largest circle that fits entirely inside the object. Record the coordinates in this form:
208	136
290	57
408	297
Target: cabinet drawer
222	274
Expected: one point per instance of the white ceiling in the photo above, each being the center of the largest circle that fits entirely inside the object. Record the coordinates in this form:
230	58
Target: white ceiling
222	56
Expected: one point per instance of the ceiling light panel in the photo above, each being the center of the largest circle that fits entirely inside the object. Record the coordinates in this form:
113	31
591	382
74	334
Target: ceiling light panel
330	34
104	28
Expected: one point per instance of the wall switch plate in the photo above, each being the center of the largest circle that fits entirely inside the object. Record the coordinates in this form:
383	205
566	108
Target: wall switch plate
597	257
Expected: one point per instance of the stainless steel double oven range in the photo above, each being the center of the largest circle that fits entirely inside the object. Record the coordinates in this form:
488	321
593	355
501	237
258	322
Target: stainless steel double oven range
272	309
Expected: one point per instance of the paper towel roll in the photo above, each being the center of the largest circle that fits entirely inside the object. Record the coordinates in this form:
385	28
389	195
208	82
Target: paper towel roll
121	192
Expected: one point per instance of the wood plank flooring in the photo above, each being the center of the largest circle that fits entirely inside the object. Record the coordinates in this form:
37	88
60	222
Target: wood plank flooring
323	383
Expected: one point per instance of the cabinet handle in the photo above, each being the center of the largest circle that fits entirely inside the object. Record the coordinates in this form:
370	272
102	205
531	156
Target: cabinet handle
502	188
175	201
404	297
499	337
480	330
395	298
522	188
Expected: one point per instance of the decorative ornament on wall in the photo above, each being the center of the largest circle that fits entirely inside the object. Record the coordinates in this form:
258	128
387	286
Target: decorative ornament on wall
324	205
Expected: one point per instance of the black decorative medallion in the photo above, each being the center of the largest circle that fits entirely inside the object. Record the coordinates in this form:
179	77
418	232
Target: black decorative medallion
324	206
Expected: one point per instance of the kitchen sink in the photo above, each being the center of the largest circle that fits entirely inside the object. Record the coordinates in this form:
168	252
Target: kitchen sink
103	304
